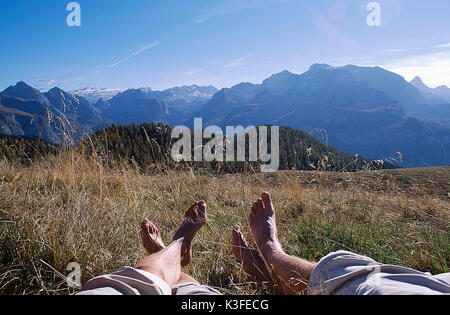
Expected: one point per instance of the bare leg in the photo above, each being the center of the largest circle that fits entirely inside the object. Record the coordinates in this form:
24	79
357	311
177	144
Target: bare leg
151	239
186	278
167	262
292	273
251	260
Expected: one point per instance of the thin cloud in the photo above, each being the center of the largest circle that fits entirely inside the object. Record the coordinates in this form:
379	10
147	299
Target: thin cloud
443	45
137	52
191	72
227	9
234	6
238	62
390	51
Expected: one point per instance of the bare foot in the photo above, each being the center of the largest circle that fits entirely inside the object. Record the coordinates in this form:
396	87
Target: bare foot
252	262
196	217
151	238
263	226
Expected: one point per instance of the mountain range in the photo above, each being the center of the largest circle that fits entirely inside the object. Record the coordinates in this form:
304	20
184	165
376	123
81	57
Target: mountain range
173	106
361	110
368	111
56	116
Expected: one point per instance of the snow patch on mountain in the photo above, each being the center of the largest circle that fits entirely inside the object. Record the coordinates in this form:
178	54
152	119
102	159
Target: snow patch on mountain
94	94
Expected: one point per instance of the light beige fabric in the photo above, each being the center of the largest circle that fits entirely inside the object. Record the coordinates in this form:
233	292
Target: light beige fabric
191	288
351	274
127	281
131	281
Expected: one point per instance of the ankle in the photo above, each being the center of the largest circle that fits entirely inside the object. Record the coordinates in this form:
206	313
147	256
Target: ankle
271	251
177	242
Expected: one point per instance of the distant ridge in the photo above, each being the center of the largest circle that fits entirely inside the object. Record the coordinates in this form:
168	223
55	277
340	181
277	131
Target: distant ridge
441	91
364	110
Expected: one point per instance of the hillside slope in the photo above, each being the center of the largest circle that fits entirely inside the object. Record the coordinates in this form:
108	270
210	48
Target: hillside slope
149	146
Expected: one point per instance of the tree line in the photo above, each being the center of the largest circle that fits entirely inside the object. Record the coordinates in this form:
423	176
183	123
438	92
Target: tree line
148	146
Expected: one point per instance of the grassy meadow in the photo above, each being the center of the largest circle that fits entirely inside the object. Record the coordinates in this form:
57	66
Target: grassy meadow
69	208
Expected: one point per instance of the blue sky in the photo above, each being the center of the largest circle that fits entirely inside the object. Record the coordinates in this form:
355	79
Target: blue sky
165	43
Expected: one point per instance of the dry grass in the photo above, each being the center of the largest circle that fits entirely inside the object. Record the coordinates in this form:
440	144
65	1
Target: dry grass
71	209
